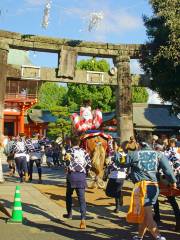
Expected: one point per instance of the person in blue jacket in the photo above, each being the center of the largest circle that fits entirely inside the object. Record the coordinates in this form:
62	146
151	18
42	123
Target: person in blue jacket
144	164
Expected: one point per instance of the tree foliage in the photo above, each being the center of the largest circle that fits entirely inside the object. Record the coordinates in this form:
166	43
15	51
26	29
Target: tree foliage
93	65
139	95
62	126
101	96
51	95
163	59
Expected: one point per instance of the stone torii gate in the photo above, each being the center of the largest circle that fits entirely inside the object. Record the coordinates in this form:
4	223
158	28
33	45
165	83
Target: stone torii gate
67	51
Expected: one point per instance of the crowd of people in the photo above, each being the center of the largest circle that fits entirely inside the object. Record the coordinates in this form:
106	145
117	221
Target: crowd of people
141	162
146	164
23	152
154	164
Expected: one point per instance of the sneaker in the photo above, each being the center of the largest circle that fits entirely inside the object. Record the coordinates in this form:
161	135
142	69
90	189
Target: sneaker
26	177
136	238
83	224
160	238
116	210
67	215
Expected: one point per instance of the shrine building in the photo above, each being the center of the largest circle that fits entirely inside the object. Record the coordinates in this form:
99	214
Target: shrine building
20	96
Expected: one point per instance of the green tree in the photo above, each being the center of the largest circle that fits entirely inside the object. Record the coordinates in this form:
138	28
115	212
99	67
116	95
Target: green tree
51	95
62	126
162	59
93	65
139	95
101	96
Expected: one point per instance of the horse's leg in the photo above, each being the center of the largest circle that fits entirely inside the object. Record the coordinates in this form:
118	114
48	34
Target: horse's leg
93	183
100	183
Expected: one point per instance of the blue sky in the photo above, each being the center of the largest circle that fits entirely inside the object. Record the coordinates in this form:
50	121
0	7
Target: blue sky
122	21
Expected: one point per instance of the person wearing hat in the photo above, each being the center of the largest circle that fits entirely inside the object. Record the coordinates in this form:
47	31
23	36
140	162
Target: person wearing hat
144	164
132	145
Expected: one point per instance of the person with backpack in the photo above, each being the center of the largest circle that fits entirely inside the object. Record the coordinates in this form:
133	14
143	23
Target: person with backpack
78	163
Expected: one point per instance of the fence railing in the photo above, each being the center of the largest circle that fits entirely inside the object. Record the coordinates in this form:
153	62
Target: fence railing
19	96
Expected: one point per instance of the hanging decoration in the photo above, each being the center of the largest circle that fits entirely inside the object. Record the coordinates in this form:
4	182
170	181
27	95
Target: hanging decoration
45	21
95	20
3	12
87	119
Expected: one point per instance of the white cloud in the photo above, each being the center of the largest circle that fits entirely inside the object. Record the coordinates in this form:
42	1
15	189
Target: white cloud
120	21
35	2
114	22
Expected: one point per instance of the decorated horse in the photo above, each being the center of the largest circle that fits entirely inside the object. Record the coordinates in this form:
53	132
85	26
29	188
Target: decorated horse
96	143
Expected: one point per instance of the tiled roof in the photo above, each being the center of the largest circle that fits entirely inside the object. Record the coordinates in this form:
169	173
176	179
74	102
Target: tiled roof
154	116
39	116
